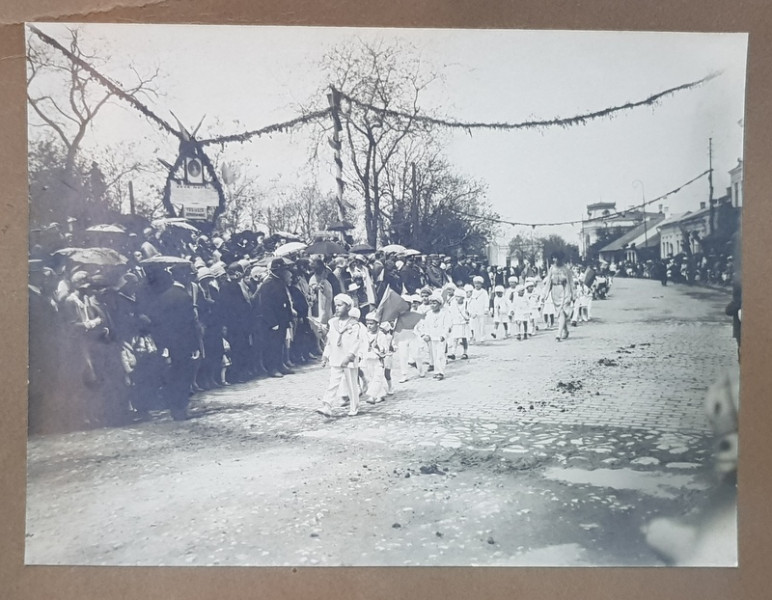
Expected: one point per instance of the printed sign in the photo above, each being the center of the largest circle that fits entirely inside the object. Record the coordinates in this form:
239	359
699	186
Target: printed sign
196	201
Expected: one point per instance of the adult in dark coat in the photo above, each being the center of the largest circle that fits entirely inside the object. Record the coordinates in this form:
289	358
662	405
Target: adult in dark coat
391	279
411	276
173	325
275	314
237	313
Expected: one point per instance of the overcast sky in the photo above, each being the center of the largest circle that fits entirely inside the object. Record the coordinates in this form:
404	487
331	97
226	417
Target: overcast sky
249	77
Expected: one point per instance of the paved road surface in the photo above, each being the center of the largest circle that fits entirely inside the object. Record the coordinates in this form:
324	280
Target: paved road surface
530	453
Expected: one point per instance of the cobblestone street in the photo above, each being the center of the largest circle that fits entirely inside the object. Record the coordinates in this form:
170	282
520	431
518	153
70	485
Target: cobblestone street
529	453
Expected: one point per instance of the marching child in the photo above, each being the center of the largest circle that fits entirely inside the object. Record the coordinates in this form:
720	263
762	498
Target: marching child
583	302
478	305
407	342
459	329
434	330
533	304
547	308
500	311
373	352
341	352
388	360
522	312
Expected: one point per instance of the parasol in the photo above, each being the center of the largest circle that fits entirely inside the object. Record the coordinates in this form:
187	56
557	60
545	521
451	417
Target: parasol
325	247
289	248
286	235
176	222
165	261
105	228
340	226
362	249
411	252
93	256
395	248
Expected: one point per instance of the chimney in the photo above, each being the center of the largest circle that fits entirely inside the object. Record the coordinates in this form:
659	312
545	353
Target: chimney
702	205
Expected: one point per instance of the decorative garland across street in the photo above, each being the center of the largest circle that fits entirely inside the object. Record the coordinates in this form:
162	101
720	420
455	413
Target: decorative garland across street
564	122
581	119
578	221
556	122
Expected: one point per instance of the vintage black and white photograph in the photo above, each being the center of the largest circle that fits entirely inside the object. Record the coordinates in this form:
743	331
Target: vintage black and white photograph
304	296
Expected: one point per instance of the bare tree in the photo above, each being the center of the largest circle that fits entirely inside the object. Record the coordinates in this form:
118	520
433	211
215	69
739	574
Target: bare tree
66	98
379	76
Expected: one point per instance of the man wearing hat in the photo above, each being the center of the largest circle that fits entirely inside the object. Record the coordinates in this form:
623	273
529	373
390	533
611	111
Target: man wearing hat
411	276
435	276
275	314
237	313
174	327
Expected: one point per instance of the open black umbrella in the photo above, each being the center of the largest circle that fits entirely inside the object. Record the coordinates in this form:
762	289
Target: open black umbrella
340	226
325	247
165	261
93	256
362	249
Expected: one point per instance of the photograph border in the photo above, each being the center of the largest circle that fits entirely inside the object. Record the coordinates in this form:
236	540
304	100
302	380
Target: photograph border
429	582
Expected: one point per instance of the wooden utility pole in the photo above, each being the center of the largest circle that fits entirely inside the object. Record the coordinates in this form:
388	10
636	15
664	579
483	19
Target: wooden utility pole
712	210
132	205
413	206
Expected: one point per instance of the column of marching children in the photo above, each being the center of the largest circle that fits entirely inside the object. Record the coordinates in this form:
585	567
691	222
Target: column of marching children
362	356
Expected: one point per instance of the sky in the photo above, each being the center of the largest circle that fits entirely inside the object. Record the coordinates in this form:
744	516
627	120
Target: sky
245	78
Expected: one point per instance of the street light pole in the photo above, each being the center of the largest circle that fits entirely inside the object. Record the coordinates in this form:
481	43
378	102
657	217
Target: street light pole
643	210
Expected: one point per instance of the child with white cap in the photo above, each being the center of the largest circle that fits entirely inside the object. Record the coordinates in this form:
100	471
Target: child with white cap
434	330
342	351
373	352
547	308
388	360
407	343
534	302
459	330
478	305
501	310
522	312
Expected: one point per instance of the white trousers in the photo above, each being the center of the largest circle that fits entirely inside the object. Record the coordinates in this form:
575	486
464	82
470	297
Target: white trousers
438	355
477	324
345	379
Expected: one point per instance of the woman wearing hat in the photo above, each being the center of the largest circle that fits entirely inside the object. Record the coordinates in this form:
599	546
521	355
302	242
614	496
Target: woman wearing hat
559	288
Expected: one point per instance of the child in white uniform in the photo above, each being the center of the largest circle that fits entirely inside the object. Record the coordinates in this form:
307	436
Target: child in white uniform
522	312
534	303
501	310
344	345
477	305
459	331
373	352
547	308
388	359
434	330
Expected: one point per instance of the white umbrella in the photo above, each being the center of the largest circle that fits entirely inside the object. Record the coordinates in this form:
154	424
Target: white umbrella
289	248
396	248
411	252
178	222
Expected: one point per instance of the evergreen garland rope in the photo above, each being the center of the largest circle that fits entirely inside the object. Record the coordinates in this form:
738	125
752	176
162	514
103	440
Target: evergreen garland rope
536	124
578	221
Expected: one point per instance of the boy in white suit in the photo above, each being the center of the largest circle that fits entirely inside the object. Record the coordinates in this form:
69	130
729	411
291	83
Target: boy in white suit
434	330
344	346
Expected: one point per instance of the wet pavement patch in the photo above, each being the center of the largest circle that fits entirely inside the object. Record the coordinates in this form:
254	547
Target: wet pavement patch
657	484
